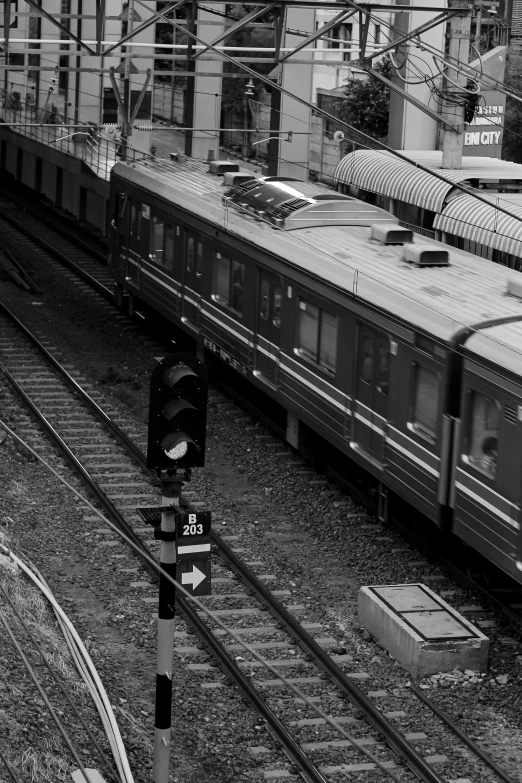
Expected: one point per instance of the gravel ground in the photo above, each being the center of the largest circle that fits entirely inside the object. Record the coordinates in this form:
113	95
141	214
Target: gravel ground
320	551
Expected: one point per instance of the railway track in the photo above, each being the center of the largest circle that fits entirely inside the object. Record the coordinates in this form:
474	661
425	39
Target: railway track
95	443
59	241
54	235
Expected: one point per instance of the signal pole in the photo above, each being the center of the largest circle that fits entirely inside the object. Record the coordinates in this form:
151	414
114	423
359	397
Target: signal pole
171	484
453	140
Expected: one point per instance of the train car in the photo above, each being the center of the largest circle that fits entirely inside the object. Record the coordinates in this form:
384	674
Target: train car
391	352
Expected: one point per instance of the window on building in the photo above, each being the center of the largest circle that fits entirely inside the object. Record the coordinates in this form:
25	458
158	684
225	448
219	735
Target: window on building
484	433
228	282
317	335
338	38
156	240
377	34
426	402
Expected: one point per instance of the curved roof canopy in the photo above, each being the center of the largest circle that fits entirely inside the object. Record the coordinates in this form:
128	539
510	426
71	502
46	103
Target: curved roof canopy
469	218
382	172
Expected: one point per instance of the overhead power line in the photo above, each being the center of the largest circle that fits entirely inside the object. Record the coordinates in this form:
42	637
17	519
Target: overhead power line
323	113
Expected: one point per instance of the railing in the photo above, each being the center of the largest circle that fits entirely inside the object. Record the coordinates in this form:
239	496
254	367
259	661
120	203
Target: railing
98	147
426	232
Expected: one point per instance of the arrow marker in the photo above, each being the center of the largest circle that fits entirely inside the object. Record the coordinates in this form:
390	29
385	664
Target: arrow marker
194	577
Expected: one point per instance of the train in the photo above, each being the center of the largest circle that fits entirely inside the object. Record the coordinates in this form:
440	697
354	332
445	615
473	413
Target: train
402	353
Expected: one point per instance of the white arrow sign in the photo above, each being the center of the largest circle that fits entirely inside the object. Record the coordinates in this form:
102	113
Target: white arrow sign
194	577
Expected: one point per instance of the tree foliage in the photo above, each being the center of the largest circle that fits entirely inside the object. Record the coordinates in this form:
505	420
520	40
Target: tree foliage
367	103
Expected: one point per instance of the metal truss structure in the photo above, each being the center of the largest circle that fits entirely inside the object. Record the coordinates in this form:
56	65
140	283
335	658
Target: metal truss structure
216	50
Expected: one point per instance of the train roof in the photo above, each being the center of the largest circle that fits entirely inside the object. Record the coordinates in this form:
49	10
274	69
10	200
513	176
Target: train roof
501	345
437	300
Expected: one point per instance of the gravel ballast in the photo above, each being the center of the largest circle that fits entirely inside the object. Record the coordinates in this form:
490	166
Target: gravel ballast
288	518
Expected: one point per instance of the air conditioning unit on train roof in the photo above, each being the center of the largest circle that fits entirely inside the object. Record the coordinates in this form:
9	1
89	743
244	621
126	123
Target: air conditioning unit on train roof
219	167
234	178
514	287
391	234
425	255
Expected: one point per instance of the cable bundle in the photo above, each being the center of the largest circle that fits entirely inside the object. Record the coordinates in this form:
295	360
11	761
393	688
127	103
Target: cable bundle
86	669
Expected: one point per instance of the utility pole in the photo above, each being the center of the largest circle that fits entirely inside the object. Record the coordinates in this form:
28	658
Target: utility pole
453	140
7	24
126	84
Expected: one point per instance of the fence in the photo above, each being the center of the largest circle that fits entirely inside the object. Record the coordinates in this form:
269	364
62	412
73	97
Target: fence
96	147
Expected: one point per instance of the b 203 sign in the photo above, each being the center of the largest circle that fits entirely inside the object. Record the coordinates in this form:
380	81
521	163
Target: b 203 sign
188	525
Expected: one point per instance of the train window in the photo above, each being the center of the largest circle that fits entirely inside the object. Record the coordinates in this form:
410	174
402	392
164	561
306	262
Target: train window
168	248
265	301
276	319
426	402
366	359
308	330
383	370
238	271
199	259
228	282
190	254
156	240
484	433
221	284
328	341
317	335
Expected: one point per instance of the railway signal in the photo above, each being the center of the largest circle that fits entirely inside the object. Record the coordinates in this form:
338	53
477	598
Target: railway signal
177	413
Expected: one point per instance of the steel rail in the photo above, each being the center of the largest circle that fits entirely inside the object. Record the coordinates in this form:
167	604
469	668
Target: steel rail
291	747
99	287
31	209
113	514
118	433
464	737
375	718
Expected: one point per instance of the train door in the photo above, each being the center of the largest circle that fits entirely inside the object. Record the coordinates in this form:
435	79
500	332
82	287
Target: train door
371	397
268	327
192	276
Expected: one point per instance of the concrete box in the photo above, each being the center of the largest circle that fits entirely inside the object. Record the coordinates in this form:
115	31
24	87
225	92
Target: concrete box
420	630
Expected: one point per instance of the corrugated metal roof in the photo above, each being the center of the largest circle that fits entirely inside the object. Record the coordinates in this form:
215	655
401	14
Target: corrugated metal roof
382	172
472	167
466	217
438	300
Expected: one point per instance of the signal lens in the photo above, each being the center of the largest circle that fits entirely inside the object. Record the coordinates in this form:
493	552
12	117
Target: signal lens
178	451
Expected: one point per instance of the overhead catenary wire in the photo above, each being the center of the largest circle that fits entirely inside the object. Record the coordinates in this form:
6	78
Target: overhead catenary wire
208	612
329	116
